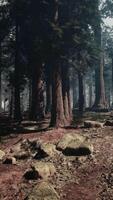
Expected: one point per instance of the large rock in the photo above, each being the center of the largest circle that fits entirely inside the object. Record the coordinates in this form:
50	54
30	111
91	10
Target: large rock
44	169
2	154
44	191
70	139
93	124
75	145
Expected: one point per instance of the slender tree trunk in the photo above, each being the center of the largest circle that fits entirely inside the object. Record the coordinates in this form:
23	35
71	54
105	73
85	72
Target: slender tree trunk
112	82
85	92
11	105
0	89
90	94
0	79
48	89
69	102
48	97
81	93
75	92
17	109
33	107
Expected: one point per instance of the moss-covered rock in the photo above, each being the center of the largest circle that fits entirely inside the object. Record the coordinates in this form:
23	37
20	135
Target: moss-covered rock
43	191
44	169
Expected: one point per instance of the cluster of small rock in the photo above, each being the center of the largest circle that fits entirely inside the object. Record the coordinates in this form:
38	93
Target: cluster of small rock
37	151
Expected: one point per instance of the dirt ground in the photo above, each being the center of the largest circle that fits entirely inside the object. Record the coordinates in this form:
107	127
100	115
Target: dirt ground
77	178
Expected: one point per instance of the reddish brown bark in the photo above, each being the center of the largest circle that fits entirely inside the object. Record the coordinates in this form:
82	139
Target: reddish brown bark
66	95
57	113
100	101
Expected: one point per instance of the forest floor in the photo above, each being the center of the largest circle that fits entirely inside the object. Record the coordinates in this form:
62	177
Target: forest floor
77	178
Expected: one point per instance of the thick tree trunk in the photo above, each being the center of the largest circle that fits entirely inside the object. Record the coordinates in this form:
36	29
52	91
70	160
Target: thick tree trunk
40	99
37	102
100	99
57	112
81	93
66	95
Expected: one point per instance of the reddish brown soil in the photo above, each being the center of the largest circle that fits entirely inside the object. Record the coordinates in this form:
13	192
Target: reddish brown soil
90	179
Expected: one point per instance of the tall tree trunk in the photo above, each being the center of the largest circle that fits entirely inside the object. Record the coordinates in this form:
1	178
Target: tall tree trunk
57	112
100	100
66	94
17	109
90	93
48	97
33	106
48	89
0	88
112	82
11	104
0	78
37	102
81	93
75	92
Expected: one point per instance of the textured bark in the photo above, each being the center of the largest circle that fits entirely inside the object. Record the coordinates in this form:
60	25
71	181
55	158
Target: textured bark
100	99
57	112
65	89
